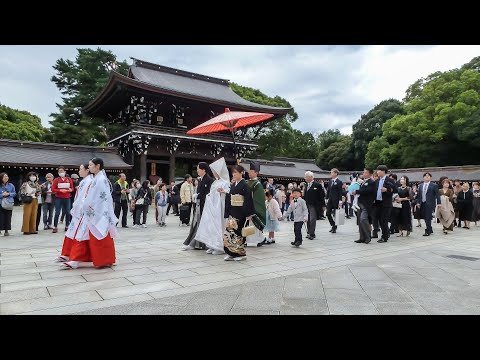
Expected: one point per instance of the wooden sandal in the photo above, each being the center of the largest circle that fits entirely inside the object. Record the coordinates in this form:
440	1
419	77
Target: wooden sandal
66	266
62	258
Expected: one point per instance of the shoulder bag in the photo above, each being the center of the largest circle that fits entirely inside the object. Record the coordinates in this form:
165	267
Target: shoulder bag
141	201
7	205
26	199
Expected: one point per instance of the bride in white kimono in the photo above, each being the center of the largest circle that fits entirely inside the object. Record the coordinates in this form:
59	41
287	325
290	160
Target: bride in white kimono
212	224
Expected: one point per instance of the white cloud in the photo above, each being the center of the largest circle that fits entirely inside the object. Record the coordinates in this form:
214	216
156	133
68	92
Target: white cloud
329	86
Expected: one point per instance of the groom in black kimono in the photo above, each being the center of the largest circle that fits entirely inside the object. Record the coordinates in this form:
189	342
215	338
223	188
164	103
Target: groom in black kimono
203	189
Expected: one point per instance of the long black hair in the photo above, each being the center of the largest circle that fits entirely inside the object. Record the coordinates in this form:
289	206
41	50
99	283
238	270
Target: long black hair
97	161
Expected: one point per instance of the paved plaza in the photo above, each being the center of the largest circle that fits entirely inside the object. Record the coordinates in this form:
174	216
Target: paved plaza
328	275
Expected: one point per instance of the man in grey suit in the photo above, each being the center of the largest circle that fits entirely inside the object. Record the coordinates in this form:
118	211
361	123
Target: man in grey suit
428	199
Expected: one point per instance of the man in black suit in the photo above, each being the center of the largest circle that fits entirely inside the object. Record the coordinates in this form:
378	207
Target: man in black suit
365	202
428	199
384	190
204	183
334	196
314	197
203	188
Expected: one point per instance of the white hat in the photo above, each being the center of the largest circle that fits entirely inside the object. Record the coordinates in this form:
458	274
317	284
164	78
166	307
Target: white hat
220	167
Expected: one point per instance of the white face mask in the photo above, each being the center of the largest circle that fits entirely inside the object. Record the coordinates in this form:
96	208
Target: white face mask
33	178
61	174
139	186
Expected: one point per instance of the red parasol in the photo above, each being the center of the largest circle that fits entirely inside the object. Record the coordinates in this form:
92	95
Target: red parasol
229	120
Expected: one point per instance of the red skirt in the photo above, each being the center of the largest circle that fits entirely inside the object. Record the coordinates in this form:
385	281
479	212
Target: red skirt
67	246
100	252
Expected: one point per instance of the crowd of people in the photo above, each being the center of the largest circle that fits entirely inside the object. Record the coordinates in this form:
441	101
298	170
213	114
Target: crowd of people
225	214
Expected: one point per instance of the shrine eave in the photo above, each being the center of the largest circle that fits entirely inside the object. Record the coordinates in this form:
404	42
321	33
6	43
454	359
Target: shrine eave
184	137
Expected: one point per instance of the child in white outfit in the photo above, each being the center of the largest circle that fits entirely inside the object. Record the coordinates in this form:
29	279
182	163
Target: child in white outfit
298	207
273	214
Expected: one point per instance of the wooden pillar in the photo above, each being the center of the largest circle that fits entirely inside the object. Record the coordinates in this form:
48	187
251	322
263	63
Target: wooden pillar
171	168
143	168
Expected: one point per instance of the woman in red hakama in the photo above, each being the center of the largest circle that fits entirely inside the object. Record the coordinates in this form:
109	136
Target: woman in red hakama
94	226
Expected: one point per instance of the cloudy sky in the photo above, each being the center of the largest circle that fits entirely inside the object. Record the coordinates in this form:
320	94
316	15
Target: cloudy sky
329	86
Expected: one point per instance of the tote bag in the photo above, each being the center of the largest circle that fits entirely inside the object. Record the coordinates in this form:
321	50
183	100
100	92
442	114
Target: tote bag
339	217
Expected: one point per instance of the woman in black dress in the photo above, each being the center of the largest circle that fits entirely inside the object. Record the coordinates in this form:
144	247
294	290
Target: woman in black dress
465	205
238	209
404	216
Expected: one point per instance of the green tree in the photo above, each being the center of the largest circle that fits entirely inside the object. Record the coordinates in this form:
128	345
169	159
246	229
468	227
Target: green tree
264	128
337	154
275	138
20	125
286	141
80	81
327	138
370	125
441	124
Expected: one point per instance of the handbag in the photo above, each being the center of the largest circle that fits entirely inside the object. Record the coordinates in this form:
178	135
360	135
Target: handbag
7	205
141	201
395	204
339	217
27	199
248	230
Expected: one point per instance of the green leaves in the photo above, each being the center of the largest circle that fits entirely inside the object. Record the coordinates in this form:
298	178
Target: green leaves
277	138
440	126
370	126
337	153
20	125
80	81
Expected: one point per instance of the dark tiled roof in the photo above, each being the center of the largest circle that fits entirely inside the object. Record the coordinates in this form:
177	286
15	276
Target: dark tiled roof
168	132
286	168
190	83
156	79
464	173
289	168
23	153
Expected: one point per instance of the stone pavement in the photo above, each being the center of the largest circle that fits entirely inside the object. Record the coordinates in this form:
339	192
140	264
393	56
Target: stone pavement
329	275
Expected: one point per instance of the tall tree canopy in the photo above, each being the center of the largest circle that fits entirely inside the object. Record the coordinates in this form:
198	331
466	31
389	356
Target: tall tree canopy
334	150
441	124
79	82
256	96
20	125
370	126
276	138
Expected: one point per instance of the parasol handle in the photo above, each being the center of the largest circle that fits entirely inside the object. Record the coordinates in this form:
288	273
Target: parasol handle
234	147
